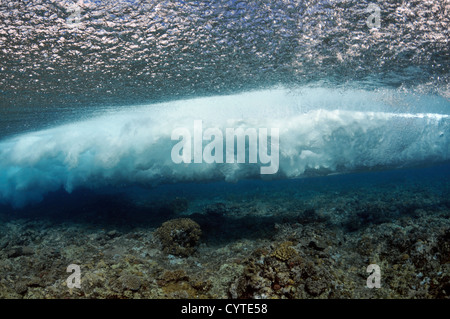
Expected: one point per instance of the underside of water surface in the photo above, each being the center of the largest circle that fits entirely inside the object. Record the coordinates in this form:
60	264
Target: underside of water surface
115	152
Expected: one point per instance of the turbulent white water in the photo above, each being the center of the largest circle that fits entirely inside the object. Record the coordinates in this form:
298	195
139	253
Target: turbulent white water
321	131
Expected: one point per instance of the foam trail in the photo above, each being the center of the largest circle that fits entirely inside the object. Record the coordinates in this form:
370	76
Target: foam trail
134	146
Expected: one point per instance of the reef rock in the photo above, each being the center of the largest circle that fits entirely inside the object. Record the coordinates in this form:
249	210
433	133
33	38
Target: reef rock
179	236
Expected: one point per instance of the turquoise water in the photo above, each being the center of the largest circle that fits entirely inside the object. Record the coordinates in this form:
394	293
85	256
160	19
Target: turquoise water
350	113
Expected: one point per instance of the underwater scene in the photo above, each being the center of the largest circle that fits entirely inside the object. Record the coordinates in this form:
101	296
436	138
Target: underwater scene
224	149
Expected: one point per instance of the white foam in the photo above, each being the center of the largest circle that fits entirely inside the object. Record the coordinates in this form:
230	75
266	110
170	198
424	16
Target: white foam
133	145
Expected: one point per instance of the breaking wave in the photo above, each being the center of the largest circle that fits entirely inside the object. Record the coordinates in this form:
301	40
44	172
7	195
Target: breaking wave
322	131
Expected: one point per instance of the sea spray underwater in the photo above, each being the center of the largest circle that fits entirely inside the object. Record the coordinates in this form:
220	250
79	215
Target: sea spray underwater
132	52
91	93
134	146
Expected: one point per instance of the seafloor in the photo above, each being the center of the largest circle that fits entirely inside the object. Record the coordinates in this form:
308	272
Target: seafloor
307	238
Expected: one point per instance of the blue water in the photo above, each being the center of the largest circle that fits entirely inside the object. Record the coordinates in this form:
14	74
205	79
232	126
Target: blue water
92	102
125	53
117	116
318	132
428	180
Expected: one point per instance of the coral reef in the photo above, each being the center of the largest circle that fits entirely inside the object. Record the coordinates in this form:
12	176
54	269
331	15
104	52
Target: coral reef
268	247
131	282
179	236
284	251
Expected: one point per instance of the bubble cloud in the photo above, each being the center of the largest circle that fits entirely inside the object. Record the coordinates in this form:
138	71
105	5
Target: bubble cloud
321	131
